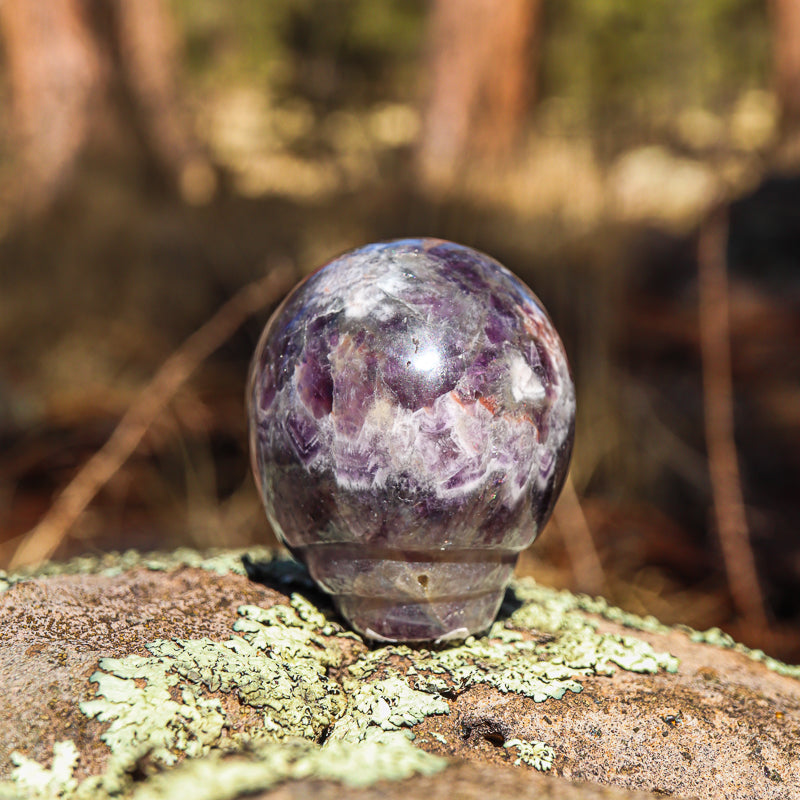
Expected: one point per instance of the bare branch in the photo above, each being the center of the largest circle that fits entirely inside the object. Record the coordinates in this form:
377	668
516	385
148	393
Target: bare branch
723	462
43	540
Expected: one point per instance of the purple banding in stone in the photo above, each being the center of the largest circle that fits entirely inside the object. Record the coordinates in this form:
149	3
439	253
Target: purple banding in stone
411	422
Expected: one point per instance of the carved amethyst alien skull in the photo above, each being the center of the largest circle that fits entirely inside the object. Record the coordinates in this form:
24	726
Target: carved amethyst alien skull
411	424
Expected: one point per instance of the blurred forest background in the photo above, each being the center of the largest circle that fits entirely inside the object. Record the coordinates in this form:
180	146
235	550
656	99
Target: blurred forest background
637	163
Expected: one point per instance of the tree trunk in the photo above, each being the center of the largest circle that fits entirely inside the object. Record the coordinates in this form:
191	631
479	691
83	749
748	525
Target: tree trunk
785	18
149	48
482	68
66	59
55	73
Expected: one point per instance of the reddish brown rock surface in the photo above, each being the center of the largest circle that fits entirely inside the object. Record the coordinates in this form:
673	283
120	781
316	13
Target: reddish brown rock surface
722	726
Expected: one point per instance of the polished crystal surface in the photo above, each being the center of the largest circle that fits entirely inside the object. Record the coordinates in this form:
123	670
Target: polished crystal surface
411	423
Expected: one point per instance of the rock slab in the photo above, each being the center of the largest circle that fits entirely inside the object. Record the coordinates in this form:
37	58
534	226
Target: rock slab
142	677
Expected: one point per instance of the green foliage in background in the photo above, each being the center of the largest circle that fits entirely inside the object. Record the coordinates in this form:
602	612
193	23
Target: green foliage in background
335	53
617	69
625	67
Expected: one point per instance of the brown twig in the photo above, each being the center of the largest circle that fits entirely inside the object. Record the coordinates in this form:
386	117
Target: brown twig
723	462
41	542
586	565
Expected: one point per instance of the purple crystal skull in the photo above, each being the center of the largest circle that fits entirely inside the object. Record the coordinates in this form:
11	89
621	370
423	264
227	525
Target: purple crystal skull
411	424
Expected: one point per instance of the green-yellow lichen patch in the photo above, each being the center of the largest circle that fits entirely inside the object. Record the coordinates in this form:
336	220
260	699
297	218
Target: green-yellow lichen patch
713	636
134	696
364	763
299	679
718	638
159	704
37	781
512	659
536	754
378	710
219	776
220	561
260	769
278	662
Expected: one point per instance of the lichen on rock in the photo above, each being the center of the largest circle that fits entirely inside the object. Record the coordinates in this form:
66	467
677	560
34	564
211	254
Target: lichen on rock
221	777
535	754
718	638
378	710
37	781
168	705
514	657
288	694
220	560
276	665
